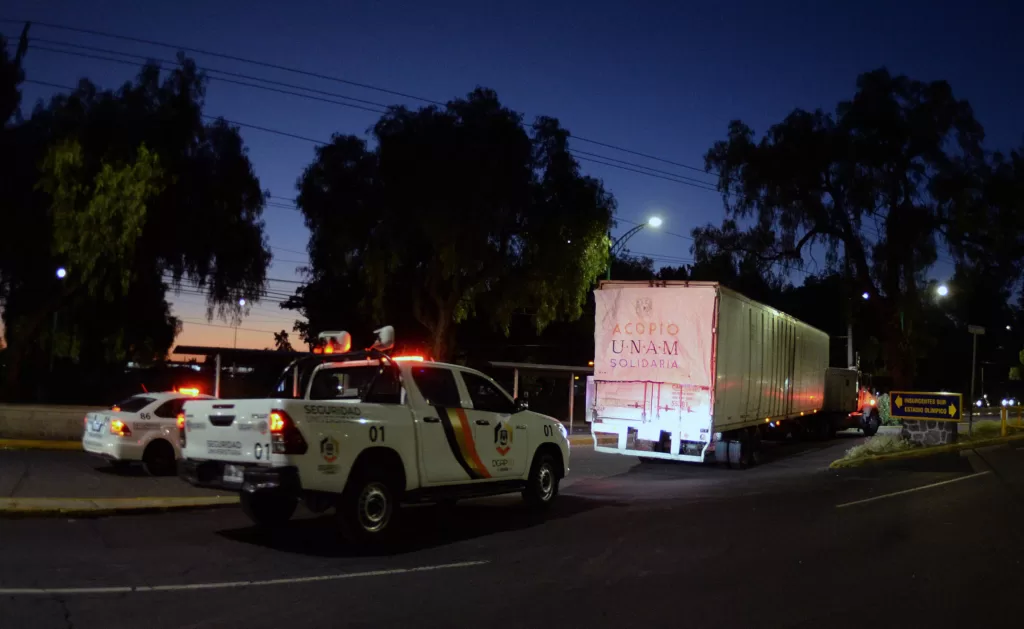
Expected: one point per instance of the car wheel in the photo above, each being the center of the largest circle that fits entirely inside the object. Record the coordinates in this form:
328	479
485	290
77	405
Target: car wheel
542	484
368	507
871	424
268	509
159	459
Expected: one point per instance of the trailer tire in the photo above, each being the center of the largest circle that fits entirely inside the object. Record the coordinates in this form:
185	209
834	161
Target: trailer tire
268	509
871	423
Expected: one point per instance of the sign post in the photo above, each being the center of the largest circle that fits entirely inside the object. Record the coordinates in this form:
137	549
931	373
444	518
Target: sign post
974	330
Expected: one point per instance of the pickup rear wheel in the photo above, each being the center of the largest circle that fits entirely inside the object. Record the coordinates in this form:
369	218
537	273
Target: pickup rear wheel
542	485
368	506
268	508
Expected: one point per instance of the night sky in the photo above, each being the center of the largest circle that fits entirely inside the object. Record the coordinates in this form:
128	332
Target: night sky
657	78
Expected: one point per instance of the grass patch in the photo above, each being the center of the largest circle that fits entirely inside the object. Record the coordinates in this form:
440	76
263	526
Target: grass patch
879	444
985	430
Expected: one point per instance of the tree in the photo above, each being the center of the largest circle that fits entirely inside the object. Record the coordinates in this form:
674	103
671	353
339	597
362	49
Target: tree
135	195
878	185
281	342
457	212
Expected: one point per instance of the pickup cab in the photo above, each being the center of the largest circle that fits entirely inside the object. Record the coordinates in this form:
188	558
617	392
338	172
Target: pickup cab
416	431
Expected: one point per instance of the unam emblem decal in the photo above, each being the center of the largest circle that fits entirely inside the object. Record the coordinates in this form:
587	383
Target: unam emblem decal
502	438
329	449
644	307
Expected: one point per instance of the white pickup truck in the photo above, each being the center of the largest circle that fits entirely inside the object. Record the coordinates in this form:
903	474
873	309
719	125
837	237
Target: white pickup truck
417	431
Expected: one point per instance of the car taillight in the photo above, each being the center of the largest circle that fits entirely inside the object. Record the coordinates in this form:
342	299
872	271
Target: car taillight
118	427
284	436
181	429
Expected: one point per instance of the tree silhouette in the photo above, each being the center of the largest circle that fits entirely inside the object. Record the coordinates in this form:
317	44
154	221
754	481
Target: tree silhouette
457	212
281	342
878	185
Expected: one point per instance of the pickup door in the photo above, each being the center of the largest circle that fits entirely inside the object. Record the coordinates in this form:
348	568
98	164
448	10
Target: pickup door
462	438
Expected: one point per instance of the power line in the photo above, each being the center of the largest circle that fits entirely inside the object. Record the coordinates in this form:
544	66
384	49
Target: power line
318	75
213	77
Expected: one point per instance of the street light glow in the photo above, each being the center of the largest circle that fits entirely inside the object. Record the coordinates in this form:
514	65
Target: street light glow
241	302
654	221
61	273
864	295
942	290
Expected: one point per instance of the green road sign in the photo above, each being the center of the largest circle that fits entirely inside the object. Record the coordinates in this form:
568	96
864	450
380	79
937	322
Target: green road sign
943	407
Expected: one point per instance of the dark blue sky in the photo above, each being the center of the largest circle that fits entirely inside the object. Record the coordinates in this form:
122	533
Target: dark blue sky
662	78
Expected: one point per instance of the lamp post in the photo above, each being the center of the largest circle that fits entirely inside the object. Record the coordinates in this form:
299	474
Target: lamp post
61	274
620	242
241	304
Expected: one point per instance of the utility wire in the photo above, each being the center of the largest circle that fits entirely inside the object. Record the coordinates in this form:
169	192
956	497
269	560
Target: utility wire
150	42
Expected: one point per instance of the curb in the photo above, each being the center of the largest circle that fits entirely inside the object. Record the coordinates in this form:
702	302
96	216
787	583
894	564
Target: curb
96	507
924	452
39	444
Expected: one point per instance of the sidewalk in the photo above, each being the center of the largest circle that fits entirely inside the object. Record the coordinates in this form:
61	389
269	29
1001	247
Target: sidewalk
37	482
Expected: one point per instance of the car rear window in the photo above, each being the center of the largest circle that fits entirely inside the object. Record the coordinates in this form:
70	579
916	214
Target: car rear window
342	383
133	404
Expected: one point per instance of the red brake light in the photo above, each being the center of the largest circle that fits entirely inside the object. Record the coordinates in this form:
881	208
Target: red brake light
118	427
284	436
181	429
115	408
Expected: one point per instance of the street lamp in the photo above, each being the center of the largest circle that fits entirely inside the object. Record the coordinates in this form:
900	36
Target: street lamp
942	290
61	274
864	295
620	242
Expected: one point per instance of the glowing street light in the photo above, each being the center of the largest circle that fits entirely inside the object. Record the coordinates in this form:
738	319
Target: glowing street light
61	272
942	290
865	295
241	302
654	221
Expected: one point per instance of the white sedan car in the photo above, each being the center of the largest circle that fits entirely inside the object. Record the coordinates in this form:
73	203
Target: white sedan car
142	428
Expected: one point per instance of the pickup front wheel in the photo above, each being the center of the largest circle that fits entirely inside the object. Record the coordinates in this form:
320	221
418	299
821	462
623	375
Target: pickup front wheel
542	485
367	507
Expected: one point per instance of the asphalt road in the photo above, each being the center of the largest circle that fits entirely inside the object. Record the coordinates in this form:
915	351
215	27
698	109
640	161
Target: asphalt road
787	544
73	474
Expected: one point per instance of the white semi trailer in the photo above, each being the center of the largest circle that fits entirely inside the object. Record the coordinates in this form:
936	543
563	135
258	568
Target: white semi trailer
687	370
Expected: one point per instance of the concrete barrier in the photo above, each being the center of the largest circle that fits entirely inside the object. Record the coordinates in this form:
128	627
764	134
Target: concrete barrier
42	421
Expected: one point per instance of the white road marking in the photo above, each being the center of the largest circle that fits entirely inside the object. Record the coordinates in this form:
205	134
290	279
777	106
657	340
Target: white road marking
230	584
910	491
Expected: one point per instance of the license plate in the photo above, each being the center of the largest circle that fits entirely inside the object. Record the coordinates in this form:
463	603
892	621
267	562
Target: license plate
96	425
234	474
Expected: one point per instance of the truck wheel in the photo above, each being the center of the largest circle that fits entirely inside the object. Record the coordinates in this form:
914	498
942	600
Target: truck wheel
159	459
268	509
367	507
871	424
542	485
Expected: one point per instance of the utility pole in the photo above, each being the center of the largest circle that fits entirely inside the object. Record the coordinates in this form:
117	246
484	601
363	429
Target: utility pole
974	330
849	310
